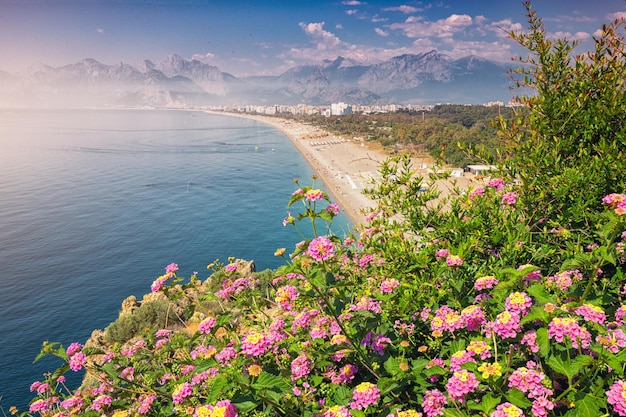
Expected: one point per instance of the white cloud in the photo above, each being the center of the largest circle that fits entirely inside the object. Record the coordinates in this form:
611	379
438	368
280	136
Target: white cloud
441	35
381	32
351	3
616	15
581	36
403	8
578	36
206	58
495	50
100	30
326	45
351	12
378	19
417	27
502	28
324	39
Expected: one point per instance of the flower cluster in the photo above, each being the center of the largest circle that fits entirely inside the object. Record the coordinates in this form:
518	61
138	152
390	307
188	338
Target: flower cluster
617	397
617	202
321	249
564	280
486	282
364	395
460	384
567	327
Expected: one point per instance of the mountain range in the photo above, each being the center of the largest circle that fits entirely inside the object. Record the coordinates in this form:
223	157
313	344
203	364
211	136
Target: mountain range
426	78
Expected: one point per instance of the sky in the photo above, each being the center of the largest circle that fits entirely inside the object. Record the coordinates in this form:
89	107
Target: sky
266	37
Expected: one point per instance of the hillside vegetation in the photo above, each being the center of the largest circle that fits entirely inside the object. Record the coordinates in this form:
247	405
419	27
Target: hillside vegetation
503	300
438	132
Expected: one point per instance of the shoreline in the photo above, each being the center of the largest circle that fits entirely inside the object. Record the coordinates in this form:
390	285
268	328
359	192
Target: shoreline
345	167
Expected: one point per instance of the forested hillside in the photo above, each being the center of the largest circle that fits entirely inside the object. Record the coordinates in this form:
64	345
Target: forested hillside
438	132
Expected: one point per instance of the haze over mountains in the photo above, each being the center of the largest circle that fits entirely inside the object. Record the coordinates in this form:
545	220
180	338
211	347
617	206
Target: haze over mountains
426	78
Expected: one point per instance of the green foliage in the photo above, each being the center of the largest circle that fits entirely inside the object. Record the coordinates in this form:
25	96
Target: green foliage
567	146
146	317
437	132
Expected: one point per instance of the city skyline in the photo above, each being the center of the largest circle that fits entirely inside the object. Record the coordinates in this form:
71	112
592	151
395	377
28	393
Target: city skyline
264	37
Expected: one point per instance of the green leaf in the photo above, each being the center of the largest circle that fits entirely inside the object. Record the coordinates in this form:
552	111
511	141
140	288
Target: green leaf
590	406
93	351
536	313
568	367
419	364
392	365
543	341
60	371
561	366
539	292
217	388
486	404
517	397
583	360
273	395
452	412
245	406
326	216
267	381
342	395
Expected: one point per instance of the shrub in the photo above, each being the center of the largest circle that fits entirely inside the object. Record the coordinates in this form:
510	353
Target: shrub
567	146
147	316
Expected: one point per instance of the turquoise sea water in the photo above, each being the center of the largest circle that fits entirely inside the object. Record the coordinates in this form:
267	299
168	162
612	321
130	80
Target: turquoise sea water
94	204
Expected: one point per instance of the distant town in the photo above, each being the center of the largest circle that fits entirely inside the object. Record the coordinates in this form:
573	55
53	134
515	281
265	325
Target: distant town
340	109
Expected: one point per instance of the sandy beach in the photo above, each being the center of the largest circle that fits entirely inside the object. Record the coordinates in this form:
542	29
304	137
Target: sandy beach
344	166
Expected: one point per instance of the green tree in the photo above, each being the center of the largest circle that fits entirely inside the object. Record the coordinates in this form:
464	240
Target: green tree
567	145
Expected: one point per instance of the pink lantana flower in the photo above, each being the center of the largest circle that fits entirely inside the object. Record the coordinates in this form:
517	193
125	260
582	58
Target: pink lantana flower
364	395
314	195
617	397
321	248
301	367
207	325
255	344
560	328
496	183
223	408
285	296
486	282
454	260
518	302
181	392
617	202
460	384
506	325
589	312
509	198
433	404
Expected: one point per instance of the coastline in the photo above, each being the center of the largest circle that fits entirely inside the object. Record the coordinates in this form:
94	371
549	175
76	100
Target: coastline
345	167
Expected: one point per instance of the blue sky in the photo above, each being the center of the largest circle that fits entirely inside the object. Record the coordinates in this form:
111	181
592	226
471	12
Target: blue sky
246	37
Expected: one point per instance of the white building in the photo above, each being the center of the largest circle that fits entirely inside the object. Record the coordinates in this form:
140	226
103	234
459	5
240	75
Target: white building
339	109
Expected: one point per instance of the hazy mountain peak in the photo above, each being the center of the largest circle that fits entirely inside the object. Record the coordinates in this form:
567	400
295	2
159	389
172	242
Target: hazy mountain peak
427	78
144	65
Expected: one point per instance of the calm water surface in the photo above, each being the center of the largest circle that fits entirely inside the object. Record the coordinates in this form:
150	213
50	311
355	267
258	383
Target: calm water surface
94	204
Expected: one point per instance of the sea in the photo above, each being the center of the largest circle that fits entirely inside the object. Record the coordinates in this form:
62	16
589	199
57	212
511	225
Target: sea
95	203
